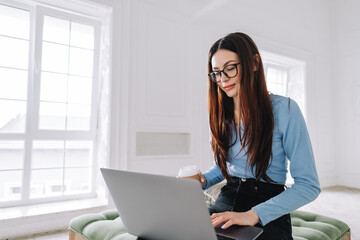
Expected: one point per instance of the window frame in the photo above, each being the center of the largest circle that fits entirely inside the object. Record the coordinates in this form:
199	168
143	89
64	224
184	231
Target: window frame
32	131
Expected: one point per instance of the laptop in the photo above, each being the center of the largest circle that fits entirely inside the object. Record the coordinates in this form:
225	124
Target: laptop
155	207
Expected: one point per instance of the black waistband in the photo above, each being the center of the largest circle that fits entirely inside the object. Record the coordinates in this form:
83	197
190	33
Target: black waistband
252	182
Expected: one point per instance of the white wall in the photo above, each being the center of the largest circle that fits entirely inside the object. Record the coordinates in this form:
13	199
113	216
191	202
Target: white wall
161	96
346	63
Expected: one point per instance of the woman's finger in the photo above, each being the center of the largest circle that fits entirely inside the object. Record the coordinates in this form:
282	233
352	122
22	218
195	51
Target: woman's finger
215	215
202	180
221	218
228	224
216	222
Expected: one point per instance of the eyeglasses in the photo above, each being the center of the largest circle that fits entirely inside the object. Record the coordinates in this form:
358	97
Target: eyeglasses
229	71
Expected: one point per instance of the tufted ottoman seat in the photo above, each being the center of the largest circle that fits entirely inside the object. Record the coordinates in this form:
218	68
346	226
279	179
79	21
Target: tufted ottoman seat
107	225
312	226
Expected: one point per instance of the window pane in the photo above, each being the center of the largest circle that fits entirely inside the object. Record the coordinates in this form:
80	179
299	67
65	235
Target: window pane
46	183
14	52
56	30
11	154
78	153
80	90
81	62
13	83
14	22
78	117
78	180
48	154
12	117
52	116
296	86
82	35
10	185
276	81
53	87
54	58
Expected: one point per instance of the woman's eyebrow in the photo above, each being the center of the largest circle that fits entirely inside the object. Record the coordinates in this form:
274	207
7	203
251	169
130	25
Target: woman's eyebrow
226	63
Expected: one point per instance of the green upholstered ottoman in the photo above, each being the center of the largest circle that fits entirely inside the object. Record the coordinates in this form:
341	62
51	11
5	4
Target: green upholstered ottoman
107	225
312	226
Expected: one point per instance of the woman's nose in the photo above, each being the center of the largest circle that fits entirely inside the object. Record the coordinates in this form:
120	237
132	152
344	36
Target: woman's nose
223	77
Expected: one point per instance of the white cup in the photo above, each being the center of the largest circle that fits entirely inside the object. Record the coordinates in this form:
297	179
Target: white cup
191	172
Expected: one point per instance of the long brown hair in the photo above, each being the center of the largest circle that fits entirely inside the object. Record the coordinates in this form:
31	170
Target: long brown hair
255	109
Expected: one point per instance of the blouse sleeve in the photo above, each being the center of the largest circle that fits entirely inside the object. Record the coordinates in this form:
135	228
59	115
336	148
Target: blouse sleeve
213	176
297	146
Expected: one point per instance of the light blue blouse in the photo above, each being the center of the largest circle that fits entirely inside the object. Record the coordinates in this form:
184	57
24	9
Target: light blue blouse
290	141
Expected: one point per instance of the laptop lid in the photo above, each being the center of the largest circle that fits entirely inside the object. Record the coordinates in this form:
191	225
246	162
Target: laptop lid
161	207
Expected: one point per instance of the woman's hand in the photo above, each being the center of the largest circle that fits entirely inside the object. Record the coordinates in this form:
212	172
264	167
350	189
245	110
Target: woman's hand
202	180
249	218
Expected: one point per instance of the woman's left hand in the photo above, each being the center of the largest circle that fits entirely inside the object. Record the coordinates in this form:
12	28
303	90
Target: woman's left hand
249	218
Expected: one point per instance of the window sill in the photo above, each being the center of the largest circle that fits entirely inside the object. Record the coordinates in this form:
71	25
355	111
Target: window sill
47	217
50	208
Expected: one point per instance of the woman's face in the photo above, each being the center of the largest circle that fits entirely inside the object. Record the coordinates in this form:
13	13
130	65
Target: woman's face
221	59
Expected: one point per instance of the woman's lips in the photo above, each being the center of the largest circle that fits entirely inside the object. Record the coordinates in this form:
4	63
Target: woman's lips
229	87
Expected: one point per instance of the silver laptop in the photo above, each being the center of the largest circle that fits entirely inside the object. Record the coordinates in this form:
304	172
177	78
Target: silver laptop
155	207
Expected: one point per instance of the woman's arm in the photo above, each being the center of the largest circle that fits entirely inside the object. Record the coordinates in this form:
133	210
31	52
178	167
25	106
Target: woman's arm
213	176
297	146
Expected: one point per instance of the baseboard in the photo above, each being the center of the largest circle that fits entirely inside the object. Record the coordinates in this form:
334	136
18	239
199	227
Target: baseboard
40	224
349	180
328	181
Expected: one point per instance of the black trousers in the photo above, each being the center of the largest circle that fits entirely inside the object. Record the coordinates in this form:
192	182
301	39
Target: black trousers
240	195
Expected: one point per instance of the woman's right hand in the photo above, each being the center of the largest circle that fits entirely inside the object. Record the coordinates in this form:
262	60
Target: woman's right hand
202	180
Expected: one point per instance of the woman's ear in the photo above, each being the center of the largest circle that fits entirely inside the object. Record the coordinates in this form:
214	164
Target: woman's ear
256	62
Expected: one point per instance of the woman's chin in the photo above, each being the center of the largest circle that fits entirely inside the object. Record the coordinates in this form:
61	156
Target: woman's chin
231	94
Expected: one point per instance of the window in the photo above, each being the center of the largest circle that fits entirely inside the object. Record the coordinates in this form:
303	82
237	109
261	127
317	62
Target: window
277	79
49	90
285	76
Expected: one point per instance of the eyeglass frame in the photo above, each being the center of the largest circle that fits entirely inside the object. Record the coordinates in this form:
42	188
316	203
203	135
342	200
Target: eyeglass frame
224	73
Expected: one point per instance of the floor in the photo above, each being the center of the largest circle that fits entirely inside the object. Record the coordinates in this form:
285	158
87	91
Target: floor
338	202
341	203
63	235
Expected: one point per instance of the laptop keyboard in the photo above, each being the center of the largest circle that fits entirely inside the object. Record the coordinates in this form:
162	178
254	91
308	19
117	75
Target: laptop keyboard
221	237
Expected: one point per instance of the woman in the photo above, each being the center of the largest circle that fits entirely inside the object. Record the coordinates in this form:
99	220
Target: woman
253	133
